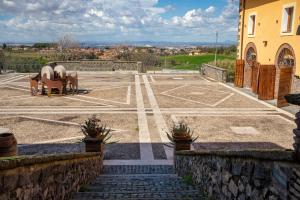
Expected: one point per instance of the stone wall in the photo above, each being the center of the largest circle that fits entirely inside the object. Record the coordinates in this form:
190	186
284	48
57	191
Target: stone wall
47	177
101	65
242	174
216	73
296	85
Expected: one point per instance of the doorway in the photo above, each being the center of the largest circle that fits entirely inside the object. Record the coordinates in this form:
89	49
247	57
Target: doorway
285	71
251	68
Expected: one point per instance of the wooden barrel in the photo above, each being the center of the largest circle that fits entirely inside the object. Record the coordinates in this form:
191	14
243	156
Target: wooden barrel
48	71
8	143
61	71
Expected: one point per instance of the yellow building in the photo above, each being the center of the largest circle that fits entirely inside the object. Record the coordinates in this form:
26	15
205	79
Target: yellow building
269	48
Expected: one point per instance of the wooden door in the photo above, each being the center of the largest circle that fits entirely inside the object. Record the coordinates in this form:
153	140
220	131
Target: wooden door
285	85
239	73
266	82
254	81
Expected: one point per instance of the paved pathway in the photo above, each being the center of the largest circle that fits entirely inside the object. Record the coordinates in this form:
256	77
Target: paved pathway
144	135
159	119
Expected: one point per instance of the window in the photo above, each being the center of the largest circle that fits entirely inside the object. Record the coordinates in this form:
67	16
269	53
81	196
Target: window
251	24
288	18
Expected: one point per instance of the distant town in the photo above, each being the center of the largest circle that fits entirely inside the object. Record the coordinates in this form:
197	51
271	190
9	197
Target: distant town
30	57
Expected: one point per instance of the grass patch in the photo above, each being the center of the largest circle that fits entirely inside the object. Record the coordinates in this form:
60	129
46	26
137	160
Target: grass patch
188	179
84	188
186	62
13	158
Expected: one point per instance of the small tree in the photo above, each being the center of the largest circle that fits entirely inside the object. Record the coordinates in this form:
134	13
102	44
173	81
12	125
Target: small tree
4	46
67	42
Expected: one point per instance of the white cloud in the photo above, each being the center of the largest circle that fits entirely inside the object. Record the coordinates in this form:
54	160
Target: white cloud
9	3
108	19
95	12
210	9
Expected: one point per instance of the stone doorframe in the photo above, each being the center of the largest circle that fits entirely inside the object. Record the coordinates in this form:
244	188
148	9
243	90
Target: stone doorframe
249	63
278	67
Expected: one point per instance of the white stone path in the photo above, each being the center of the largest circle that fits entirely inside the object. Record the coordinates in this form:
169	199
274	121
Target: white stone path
159	119
144	134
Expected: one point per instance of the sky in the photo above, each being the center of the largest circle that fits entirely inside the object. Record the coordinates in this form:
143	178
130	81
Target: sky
118	20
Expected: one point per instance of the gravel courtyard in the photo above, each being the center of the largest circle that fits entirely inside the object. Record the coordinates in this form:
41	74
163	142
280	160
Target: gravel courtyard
140	109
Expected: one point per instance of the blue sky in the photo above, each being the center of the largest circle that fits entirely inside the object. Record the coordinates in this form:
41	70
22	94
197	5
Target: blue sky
183	6
117	21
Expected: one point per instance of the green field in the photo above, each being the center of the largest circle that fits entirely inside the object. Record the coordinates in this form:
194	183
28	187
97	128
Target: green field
186	62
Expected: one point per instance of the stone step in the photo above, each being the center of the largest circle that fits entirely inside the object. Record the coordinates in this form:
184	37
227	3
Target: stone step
138	169
139	182
164	184
129	189
138	176
193	194
136	179
140	198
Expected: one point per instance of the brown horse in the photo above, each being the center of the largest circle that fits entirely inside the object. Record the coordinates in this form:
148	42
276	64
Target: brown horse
73	82
53	84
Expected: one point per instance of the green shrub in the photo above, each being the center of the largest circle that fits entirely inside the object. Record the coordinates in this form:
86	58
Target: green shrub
24	64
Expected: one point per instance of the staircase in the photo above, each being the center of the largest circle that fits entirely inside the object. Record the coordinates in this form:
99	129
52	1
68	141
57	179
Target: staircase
139	183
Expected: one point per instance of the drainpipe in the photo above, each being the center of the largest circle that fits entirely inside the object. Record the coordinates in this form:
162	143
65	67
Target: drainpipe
242	30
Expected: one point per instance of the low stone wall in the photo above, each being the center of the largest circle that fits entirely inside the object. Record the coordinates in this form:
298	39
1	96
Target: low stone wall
216	73
47	177
242	174
296	85
102	65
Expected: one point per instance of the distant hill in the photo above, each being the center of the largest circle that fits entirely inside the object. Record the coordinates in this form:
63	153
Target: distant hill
137	43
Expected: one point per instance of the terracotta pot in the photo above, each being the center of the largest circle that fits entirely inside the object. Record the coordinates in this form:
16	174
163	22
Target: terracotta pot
181	145
93	145
181	136
8	145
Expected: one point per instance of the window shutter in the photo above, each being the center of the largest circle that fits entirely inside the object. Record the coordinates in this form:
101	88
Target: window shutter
284	21
250	25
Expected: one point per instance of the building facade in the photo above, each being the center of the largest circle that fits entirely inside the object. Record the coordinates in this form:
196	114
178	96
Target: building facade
269	48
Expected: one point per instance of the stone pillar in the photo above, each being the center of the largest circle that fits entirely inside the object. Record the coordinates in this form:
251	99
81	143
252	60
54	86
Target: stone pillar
141	68
296	144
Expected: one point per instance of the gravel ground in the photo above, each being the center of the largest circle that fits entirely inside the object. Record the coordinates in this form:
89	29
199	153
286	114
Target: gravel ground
215	132
207	94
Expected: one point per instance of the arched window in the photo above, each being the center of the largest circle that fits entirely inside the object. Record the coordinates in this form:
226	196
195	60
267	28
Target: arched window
286	58
250	55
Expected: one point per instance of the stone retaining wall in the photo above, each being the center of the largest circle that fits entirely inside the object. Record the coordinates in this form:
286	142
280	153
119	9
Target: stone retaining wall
242	174
102	65
216	73
47	177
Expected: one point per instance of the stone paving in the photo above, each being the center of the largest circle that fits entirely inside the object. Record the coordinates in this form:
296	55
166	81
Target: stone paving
140	182
140	108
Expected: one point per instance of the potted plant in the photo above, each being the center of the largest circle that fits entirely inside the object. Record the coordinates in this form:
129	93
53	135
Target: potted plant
96	134
181	136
